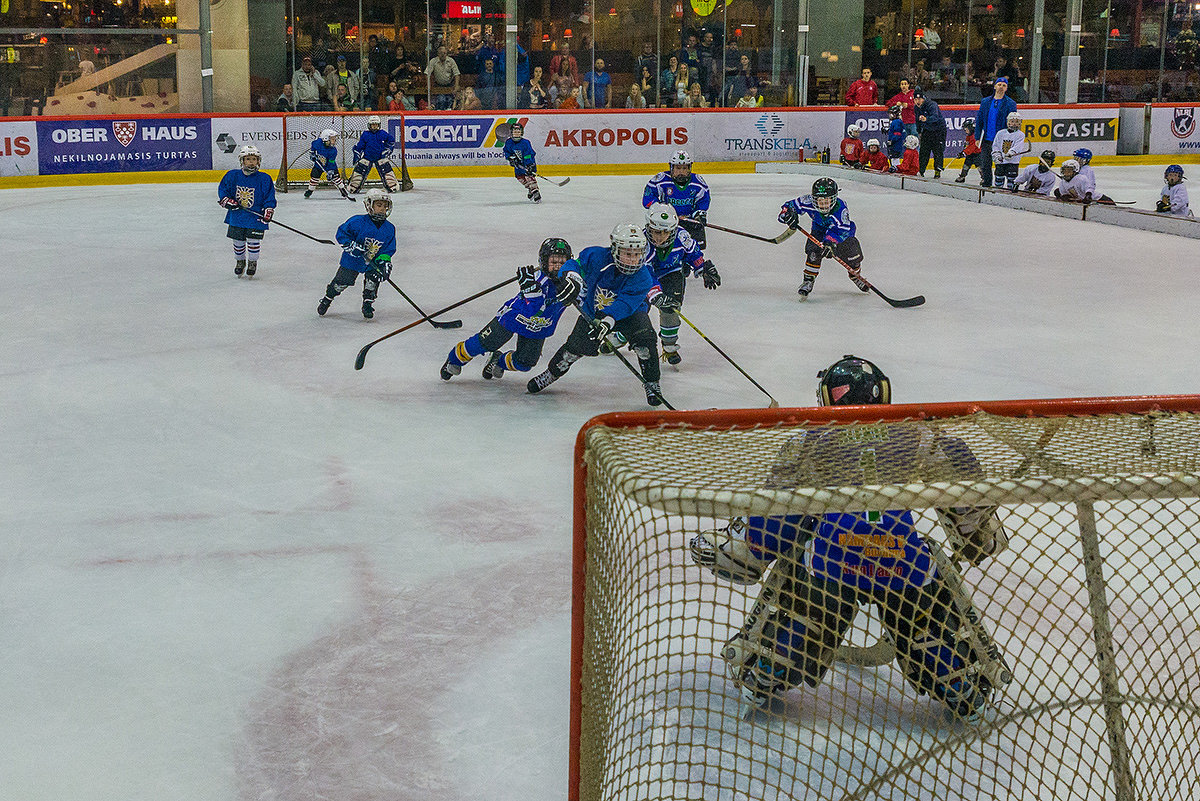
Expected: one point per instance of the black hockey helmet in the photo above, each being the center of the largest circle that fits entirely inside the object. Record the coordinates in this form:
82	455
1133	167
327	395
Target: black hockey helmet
1048	157
824	189
551	247
853	381
969	124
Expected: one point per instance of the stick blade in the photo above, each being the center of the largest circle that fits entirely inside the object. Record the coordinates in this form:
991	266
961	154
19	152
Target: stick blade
446	323
361	358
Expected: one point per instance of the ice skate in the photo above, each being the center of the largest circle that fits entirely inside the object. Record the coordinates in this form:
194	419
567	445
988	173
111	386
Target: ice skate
494	367
805	287
323	306
670	354
653	394
541	381
450	369
251	268
368	309
240	267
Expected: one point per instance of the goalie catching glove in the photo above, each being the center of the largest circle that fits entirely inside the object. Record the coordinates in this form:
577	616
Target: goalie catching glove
727	555
975	532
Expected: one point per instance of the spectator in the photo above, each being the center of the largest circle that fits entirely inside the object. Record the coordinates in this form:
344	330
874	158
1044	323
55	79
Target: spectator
635	98
648	58
920	75
571	99
379	64
564	56
343	100
599	86
864	91
904	99
488	85
932	132
930	39
647	83
443	77
468	100
396	100
689	54
522	66
1010	72
695	97
330	91
742	79
683	82
308	85
487	49
562	84
709	53
285	101
990	120
749	98
349	79
402	68
667	79
533	94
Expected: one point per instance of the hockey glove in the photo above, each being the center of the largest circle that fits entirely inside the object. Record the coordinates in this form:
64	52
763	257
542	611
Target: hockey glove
381	269
531	170
1162	206
665	302
699	217
961	154
712	279
354	248
569	288
527	278
515	160
229	203
602	327
268	214
788	217
359	155
829	250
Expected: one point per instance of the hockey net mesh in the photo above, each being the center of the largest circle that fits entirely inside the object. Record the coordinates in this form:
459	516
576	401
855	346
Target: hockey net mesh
301	129
1094	607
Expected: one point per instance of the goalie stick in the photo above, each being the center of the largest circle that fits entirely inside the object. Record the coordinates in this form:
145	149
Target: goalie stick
902	303
773	240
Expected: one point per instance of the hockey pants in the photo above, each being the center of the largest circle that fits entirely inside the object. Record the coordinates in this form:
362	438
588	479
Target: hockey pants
345	279
636	328
492	337
848	250
672	285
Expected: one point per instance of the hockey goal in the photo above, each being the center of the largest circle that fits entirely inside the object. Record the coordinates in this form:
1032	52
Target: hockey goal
1093	606
299	131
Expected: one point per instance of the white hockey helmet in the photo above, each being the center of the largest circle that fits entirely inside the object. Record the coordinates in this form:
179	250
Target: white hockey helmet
628	247
329	136
661	222
911	142
250	150
1072	165
853	131
874	143
1014	118
680	158
369	200
373	122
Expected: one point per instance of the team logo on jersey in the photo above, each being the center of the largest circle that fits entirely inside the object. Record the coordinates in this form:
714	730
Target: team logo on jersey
245	196
535	323
1183	122
372	246
124	131
604	298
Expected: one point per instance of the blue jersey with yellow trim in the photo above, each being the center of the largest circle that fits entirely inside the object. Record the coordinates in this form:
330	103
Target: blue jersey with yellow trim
254	193
533	314
607	291
834	227
691	197
681	254
377	238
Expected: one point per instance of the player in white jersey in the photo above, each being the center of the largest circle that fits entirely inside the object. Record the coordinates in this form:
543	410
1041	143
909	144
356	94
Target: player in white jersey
1074	185
1174	198
1084	157
1007	149
1038	178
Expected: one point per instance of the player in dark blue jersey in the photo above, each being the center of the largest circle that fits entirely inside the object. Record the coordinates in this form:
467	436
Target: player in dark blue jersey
671	256
374	149
613	288
249	196
323	154
831	227
532	315
368	243
820	569
519	153
684	191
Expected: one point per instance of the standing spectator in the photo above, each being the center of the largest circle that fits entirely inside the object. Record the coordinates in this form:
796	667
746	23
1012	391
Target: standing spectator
443	77
522	66
562	85
667	79
285	101
330	91
742	79
864	91
533	94
488	85
683	82
646	83
487	49
343	100
689	54
1010	72
599	86
904	99
635	98
992	118
564	57
695	97
648	58
931	127
350	80
709	53
401	66
308	84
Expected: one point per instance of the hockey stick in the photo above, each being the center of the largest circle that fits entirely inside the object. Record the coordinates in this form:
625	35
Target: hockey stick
903	303
550	180
773	240
429	317
295	230
361	359
774	404
623	359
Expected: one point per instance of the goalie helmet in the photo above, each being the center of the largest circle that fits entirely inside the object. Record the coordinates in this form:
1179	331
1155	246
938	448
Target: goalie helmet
553	246
1174	169
874	145
250	150
853	381
369	201
329	136
853	131
661	222
1083	154
1013	118
824	194
628	245
374	123
912	142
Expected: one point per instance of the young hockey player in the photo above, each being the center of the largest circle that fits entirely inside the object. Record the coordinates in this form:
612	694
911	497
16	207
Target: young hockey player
817	571
532	315
1084	157
1174	199
911	163
519	153
369	242
671	256
852	148
374	149
612	285
895	134
831	226
1073	186
875	159
1007	149
249	196
1038	178
684	191
970	152
324	158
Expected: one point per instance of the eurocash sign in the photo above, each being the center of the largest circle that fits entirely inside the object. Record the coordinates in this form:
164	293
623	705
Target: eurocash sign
161	143
765	137
1068	129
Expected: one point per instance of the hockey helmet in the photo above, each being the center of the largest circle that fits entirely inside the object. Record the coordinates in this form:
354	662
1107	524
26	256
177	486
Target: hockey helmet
248	151
1048	157
329	136
824	194
853	381
1071	166
1174	169
895	110
874	143
661	222
969	124
912	142
853	131
1083	154
1013	118
554	246
369	201
682	160
374	123
516	131
628	245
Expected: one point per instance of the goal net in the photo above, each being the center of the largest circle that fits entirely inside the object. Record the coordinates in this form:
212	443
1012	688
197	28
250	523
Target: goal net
299	131
1084	627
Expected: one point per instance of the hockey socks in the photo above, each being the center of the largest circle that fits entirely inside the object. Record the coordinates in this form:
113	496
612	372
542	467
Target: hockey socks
466	350
239	255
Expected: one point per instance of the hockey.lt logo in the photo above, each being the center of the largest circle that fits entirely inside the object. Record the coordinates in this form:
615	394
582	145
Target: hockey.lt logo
502	130
372	246
604	298
769	124
245	196
1183	122
125	131
445	132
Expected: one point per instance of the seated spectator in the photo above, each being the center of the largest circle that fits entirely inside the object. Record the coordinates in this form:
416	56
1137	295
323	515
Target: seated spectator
402	67
742	78
749	98
571	100
695	97
468	100
668	78
396	100
562	84
635	99
342	100
285	101
599	86
683	82
533	94
563	56
488	85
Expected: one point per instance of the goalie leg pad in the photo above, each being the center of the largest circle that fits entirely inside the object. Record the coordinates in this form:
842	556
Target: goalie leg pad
388	175
361	169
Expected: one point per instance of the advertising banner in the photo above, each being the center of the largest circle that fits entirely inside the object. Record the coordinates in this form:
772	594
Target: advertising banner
458	139
18	148
1174	129
231	134
134	145
766	135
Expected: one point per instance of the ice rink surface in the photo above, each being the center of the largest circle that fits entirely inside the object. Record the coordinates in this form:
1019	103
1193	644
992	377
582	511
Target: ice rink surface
232	567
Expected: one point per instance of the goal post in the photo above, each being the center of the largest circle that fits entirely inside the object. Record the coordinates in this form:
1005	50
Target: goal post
1093	605
301	128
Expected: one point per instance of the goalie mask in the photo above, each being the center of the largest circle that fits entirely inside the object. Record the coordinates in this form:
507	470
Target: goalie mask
661	222
374	195
253	154
556	249
628	248
852	381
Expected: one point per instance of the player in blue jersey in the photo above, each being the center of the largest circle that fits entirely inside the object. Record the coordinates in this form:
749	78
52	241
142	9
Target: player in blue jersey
368	243
374	149
532	315
831	227
612	287
249	196
519	153
818	570
324	160
671	256
685	192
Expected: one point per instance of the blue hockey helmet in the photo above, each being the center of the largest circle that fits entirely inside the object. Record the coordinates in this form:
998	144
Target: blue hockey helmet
1176	169
1083	155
